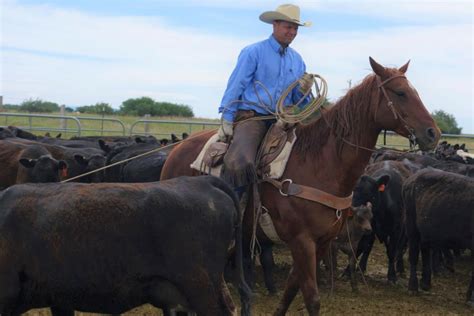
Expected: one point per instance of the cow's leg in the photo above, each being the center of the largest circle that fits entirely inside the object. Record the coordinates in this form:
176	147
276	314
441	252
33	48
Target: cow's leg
352	264
436	259
425	282
470	290
413	252
61	311
365	250
448	259
267	262
9	289
391	247
401	248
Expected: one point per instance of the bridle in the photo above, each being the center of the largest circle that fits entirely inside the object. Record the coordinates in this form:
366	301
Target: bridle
396	114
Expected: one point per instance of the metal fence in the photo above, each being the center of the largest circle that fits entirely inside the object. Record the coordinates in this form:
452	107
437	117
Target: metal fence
158	128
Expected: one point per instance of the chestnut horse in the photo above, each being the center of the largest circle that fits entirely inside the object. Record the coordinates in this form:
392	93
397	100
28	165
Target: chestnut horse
329	154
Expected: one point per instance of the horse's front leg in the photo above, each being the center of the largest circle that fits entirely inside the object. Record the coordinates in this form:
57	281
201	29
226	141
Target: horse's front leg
291	289
303	273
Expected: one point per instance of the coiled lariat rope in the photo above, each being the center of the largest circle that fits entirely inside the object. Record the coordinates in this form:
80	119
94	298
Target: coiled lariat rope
288	113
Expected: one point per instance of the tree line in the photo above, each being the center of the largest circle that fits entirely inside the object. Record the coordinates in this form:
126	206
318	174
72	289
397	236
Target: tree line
146	105
132	107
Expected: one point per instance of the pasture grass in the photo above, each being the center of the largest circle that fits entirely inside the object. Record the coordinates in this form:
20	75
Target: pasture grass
162	129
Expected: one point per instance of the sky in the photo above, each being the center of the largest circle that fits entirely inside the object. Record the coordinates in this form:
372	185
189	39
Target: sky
81	52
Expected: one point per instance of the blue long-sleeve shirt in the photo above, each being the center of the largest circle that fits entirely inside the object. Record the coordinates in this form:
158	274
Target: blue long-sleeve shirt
263	62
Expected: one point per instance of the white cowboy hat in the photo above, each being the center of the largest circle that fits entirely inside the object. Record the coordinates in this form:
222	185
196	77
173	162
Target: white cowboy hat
285	12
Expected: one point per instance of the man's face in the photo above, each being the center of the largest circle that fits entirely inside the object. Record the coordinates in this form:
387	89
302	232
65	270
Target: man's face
285	32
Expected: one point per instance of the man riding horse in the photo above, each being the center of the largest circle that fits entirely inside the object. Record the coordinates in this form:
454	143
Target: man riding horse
263	72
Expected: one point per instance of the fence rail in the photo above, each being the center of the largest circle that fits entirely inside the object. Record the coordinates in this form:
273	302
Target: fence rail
160	128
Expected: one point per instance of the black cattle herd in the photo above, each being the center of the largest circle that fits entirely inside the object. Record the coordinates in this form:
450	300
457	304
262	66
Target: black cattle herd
411	202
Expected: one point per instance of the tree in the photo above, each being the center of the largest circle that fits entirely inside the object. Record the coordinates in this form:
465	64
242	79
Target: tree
446	122
39	106
146	105
98	108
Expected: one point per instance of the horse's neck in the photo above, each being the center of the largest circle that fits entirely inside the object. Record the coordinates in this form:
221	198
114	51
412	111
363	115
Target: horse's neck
339	159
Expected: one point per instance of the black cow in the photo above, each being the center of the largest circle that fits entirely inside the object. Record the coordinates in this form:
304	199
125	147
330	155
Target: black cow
146	168
382	186
439	214
20	163
76	166
108	248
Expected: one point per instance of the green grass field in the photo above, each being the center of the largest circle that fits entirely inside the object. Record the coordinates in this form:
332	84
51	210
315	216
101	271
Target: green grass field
161	129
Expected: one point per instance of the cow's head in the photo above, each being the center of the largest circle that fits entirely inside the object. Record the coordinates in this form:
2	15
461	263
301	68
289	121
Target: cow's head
43	169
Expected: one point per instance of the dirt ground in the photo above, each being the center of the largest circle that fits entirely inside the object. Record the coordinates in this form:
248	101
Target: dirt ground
376	298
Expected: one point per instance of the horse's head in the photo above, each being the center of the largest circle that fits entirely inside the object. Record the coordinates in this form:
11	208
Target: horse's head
401	108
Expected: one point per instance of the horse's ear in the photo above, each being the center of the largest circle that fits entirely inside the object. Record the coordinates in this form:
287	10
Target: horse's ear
377	68
404	68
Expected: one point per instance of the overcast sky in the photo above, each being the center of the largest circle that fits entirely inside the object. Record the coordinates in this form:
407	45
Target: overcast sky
86	51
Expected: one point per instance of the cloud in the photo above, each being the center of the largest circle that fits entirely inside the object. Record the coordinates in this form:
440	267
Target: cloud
78	57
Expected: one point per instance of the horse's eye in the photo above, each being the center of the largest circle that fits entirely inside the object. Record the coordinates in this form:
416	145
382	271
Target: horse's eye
400	93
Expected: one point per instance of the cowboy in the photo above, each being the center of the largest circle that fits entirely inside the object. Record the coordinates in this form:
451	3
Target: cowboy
263	72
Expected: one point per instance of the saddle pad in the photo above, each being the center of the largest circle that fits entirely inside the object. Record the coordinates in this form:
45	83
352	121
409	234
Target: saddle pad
266	224
199	165
278	165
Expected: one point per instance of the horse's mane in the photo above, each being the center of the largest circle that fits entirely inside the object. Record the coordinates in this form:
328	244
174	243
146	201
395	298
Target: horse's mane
346	119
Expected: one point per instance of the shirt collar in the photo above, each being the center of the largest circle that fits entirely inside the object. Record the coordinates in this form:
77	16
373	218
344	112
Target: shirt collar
276	46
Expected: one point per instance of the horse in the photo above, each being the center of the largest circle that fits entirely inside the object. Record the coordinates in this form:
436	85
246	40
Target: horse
330	154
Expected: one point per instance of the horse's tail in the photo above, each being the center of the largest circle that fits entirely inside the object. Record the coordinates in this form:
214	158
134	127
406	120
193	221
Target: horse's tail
244	290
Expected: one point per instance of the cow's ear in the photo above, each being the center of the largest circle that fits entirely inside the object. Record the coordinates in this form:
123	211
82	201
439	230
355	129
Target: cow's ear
382	182
104	146
81	159
28	163
463	147
59	135
62	164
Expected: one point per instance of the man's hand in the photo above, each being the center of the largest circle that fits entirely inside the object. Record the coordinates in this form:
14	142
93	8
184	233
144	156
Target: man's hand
226	131
306	83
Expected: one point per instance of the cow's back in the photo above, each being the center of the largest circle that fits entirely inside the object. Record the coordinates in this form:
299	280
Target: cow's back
100	247
439	206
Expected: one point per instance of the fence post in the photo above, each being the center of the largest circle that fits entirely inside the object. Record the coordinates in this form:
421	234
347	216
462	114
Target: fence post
62	122
147	127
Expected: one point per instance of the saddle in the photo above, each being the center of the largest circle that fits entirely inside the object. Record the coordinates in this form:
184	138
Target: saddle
271	159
